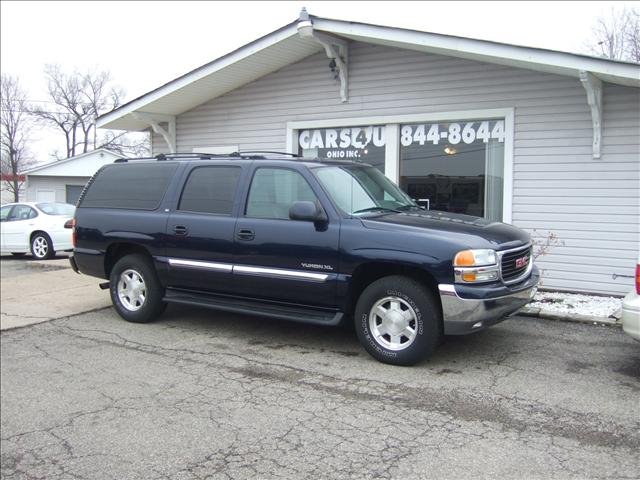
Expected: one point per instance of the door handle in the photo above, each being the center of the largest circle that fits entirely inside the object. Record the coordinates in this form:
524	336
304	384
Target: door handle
246	234
180	230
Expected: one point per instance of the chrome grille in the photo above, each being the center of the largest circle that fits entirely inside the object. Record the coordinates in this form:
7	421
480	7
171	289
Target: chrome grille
515	263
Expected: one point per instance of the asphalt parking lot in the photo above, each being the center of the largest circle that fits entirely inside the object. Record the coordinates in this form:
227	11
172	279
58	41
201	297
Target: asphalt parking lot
200	394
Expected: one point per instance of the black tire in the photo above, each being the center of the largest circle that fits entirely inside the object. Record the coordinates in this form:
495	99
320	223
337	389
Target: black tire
406	306
18	254
42	246
124	279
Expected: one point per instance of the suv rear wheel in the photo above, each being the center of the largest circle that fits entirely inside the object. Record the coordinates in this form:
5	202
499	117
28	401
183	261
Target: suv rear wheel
398	320
135	290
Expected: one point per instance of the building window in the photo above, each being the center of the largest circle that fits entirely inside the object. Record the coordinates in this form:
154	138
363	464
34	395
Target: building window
455	166
361	144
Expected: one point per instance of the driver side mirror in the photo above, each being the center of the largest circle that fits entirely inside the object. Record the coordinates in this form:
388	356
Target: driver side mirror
309	211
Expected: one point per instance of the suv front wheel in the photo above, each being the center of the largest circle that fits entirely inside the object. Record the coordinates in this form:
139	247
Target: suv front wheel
135	290
398	320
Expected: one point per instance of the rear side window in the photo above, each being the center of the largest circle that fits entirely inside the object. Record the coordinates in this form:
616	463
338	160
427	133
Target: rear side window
138	187
210	190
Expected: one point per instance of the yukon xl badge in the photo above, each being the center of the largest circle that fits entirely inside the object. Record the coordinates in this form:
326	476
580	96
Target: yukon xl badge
316	266
522	262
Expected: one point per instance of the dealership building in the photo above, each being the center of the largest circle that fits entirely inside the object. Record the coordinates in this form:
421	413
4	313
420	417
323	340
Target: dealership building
548	141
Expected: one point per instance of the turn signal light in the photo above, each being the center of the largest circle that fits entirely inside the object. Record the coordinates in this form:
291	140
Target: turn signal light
469	277
638	278
464	259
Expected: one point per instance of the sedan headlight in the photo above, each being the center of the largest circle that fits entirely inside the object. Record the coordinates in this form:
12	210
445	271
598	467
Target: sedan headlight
476	266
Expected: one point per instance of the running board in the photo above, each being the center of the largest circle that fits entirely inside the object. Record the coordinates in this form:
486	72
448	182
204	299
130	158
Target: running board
254	307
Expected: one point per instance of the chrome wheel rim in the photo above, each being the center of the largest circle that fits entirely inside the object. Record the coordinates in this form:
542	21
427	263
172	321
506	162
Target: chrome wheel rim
132	291
393	323
40	247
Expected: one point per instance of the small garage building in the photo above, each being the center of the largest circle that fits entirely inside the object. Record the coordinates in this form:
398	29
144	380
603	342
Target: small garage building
63	180
546	140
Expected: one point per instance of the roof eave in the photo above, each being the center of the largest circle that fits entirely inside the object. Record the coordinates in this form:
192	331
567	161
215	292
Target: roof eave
110	120
561	63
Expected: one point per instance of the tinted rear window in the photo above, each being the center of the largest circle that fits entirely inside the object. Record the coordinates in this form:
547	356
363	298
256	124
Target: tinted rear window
138	187
210	190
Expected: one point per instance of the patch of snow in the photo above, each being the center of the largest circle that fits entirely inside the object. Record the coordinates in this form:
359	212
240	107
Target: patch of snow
576	303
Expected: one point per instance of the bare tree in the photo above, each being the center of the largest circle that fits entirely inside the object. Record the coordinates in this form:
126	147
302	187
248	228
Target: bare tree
77	99
617	36
15	127
127	144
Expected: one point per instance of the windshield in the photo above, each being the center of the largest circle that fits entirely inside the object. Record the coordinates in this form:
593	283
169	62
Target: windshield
358	190
57	209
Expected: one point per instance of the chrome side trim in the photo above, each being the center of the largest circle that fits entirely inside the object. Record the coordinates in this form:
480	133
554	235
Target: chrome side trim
248	270
220	267
280	273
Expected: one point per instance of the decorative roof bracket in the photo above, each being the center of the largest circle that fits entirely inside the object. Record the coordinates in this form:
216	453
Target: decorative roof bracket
336	49
593	87
154	120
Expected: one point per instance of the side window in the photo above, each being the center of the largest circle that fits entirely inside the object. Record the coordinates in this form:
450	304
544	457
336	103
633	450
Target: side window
22	212
210	190
274	190
4	213
129	185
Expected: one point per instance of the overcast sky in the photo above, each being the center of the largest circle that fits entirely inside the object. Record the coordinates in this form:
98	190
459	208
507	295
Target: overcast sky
146	44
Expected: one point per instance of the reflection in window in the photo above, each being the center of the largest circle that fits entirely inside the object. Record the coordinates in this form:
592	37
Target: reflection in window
456	167
274	190
364	144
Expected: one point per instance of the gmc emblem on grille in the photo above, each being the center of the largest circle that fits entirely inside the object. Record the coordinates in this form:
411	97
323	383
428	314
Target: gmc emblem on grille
522	262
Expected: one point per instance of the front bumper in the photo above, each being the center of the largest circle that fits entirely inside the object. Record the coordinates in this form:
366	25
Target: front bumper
631	315
466	315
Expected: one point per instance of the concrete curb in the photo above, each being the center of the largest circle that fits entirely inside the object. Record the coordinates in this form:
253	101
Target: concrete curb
568	317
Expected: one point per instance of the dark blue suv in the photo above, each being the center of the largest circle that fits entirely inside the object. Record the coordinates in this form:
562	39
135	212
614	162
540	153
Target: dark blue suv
308	241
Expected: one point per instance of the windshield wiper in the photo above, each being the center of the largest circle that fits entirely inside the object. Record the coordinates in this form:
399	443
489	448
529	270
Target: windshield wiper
376	209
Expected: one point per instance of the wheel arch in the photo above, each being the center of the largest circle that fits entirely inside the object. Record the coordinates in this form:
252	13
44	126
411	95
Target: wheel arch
117	250
369	272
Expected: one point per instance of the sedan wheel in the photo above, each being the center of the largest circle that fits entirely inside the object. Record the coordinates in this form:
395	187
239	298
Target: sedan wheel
41	246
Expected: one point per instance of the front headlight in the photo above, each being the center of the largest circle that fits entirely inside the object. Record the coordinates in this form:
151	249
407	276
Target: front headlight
476	266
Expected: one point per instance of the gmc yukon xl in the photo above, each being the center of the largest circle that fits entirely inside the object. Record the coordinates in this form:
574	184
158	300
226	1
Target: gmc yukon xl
317	241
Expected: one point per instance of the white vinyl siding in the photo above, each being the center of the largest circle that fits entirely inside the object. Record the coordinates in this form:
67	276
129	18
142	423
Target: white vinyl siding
54	184
592	205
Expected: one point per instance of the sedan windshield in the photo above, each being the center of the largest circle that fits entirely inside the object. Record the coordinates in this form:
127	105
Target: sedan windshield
63	209
359	190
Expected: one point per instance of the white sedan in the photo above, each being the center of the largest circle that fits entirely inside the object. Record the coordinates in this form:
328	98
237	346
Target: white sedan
37	227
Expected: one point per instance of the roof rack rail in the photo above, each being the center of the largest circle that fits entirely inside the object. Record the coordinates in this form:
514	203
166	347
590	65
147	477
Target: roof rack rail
271	152
247	155
202	156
